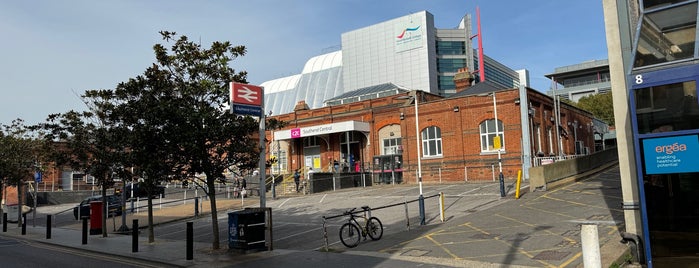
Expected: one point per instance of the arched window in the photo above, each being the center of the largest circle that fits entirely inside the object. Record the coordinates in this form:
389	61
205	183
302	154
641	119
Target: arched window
488	134
431	142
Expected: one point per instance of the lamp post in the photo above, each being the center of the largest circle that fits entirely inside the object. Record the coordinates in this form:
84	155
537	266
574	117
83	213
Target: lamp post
497	136
421	198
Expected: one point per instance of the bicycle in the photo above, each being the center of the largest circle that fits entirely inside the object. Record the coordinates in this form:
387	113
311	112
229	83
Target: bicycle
350	231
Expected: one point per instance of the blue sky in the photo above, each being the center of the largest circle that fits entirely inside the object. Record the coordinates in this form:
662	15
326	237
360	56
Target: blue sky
52	51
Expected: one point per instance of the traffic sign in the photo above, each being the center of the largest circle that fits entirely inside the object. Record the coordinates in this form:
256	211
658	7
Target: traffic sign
246	94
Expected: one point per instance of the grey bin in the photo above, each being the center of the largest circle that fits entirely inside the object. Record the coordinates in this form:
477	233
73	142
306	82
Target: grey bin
246	229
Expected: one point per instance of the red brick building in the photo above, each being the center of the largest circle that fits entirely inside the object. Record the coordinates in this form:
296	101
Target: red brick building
457	133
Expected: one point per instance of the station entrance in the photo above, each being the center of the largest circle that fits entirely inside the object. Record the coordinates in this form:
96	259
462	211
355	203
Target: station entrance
666	136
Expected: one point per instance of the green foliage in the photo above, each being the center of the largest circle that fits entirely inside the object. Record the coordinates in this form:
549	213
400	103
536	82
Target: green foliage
21	153
600	105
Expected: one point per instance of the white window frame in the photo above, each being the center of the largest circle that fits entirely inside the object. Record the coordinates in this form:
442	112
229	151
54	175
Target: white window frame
431	138
487	135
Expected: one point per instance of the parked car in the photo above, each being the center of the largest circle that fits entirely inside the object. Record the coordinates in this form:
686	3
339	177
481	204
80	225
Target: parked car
113	206
141	192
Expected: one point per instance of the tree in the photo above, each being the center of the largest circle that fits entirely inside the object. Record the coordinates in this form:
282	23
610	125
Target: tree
175	120
87	142
600	105
21	152
211	139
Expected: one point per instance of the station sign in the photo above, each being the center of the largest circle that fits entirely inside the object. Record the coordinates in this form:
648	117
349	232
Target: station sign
246	99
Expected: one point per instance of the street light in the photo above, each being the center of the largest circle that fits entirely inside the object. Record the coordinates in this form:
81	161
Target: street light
421	198
497	136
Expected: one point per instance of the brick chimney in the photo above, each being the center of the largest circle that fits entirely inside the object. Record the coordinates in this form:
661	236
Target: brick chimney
463	79
301	105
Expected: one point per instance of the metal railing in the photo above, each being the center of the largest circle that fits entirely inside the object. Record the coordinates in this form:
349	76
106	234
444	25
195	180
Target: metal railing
369	211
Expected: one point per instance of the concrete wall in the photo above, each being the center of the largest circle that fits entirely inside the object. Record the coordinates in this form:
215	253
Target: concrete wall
543	176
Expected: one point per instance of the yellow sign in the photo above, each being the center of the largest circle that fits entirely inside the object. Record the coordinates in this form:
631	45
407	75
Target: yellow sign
496	142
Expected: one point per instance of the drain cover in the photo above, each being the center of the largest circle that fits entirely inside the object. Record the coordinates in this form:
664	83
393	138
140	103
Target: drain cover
551	255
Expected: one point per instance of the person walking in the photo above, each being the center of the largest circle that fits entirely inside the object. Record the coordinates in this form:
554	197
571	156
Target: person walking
297	178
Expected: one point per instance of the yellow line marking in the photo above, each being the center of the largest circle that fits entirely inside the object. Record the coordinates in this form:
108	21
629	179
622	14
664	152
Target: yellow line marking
566	263
532	225
443	248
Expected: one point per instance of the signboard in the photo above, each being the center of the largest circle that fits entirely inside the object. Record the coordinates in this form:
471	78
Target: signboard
671	154
496	143
246	99
408	35
322	130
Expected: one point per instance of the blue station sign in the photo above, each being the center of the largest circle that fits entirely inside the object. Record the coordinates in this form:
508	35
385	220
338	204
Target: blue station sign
666	155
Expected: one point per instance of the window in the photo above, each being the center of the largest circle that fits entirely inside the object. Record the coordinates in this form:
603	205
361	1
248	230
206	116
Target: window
392	146
451	48
537	140
281	163
431	142
310	142
446	82
667	108
550	141
666	34
488	134
450	65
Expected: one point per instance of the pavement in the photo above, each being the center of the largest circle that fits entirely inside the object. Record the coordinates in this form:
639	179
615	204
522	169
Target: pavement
540	229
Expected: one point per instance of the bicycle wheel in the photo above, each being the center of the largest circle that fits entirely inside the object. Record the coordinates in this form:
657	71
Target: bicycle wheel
374	228
350	235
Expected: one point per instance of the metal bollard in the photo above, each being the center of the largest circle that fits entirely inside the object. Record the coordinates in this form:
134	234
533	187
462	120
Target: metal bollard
24	224
196	206
134	236
421	203
407	217
442	217
190	240
48	226
84	231
4	222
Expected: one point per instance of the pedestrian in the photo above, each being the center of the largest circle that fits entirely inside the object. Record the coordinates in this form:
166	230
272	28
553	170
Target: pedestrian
297	178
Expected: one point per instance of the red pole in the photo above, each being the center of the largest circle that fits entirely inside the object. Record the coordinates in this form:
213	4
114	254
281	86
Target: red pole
481	64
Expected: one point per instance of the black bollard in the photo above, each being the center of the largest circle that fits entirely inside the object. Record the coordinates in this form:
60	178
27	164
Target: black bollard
4	222
48	226
190	240
84	230
196	207
24	224
502	185
134	236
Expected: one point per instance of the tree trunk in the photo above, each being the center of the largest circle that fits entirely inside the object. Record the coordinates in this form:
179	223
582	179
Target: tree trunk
214	213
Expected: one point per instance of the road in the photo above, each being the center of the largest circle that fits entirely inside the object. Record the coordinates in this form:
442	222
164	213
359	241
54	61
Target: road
23	254
298	221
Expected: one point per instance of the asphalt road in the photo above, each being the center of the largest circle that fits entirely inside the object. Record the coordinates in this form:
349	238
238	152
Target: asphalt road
298	221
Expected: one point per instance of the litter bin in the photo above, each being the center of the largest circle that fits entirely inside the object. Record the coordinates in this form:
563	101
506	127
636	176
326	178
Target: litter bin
246	229
95	217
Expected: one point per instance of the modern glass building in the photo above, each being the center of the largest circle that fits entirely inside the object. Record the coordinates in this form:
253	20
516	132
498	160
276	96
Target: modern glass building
409	52
580	80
